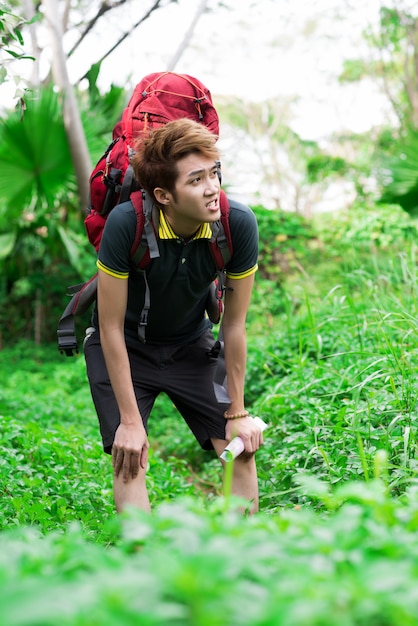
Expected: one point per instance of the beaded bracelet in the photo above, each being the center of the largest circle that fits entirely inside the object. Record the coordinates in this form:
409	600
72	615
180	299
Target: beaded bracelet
235	416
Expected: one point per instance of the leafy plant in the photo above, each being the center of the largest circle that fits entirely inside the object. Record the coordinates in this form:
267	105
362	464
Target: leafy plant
354	566
284	237
34	154
338	381
11	41
399	174
43	246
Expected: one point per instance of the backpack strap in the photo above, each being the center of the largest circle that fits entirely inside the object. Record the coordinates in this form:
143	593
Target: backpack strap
144	248
128	185
83	296
221	249
221	241
145	244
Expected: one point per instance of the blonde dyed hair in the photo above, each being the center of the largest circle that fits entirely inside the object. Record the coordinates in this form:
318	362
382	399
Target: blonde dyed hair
158	151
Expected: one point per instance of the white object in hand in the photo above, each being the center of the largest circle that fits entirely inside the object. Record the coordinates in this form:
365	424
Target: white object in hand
236	446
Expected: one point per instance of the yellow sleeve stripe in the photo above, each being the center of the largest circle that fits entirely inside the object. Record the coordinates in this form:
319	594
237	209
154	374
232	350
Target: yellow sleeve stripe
114	273
249	272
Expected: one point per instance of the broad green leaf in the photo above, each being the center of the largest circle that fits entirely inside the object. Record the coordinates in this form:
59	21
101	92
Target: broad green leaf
7	241
35	160
71	248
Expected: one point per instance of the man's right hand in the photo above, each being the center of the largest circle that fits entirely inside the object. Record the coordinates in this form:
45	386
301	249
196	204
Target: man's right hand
129	450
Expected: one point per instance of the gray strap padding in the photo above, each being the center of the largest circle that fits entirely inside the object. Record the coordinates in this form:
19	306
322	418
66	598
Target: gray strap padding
150	219
143	318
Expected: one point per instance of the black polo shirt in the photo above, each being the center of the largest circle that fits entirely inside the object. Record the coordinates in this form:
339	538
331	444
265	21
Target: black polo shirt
179	279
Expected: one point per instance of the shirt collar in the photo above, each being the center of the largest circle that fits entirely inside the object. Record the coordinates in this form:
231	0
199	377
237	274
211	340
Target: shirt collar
166	232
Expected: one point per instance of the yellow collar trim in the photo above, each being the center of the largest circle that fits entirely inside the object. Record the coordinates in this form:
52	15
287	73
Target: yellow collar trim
166	232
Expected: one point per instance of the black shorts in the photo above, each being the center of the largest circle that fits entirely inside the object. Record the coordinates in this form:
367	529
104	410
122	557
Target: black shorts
184	372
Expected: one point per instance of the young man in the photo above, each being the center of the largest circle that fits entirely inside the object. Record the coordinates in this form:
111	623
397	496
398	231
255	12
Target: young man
177	165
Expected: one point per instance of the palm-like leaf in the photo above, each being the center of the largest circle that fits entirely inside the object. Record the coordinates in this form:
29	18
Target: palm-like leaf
402	175
35	161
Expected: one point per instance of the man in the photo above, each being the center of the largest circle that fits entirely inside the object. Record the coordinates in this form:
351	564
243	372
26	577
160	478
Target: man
177	165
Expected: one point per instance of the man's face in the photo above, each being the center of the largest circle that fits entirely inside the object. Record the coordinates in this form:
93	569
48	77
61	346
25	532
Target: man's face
196	196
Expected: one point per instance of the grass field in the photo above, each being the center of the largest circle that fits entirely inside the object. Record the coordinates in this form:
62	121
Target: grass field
335	543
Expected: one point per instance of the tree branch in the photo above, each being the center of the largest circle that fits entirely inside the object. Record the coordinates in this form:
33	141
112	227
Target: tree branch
155	6
187	37
104	8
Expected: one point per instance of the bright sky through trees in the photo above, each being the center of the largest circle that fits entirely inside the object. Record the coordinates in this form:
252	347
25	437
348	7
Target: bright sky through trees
265	49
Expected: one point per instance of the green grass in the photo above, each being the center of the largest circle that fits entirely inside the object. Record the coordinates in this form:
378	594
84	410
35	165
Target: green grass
338	380
334	375
356	566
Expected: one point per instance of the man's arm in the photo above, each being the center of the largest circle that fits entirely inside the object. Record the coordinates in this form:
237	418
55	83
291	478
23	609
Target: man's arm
130	447
237	301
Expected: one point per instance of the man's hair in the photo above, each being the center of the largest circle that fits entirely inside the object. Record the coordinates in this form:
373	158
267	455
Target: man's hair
155	160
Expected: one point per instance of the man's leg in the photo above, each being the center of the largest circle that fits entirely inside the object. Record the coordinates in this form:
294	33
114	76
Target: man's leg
132	493
244	476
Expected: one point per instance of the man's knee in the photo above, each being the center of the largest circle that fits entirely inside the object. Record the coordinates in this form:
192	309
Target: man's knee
245	465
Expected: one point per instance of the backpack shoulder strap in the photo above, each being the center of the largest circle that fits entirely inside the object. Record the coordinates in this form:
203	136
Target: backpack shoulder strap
145	245
221	242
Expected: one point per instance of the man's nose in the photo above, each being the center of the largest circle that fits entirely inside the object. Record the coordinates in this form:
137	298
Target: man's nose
212	186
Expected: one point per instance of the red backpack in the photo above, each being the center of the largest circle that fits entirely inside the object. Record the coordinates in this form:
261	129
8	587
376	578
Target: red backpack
157	99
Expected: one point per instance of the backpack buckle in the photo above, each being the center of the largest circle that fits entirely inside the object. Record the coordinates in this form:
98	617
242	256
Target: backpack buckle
67	342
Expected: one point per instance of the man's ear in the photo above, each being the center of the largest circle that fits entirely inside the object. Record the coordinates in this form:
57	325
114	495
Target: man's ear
162	196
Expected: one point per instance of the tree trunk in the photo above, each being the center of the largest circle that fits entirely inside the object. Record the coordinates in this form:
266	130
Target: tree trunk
38	318
72	122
